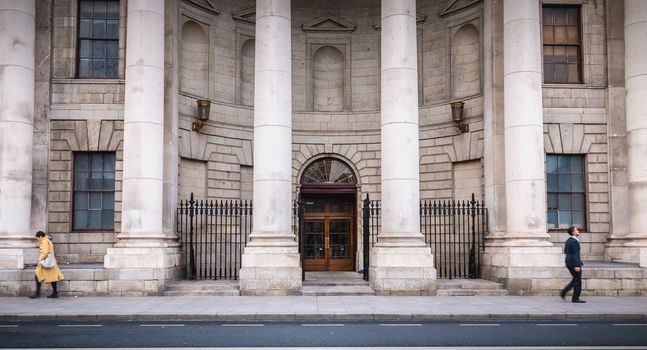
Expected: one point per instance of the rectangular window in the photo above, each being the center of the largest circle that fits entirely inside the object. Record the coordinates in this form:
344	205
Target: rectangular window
98	45
94	191
562	44
565	186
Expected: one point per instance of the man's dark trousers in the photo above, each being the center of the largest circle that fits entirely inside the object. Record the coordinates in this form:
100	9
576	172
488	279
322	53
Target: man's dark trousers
576	282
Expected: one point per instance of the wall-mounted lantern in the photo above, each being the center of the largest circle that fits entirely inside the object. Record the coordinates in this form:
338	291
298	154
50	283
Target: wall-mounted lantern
203	114
457	116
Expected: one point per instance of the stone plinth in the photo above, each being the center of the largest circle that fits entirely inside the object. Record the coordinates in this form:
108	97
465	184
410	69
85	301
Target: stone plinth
402	271
270	271
525	270
141	271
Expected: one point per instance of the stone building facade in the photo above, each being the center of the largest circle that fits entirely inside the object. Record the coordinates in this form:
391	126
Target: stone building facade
365	83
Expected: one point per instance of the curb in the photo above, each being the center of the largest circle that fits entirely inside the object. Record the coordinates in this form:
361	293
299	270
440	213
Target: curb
328	317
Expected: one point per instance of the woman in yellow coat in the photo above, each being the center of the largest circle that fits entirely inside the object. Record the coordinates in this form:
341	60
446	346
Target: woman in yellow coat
47	275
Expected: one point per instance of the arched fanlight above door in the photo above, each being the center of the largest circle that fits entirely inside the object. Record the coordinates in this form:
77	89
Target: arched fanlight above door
328	170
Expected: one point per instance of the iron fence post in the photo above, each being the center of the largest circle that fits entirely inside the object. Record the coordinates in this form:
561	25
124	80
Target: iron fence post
472	261
192	267
300	214
366	213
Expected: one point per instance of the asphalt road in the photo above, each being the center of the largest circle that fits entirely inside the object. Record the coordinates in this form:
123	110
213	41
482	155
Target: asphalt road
297	334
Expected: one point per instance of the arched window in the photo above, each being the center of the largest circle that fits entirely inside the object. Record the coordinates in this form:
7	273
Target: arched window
328	170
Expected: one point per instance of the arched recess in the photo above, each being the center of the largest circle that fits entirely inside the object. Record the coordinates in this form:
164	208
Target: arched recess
328	80
194	59
466	62
247	52
329	236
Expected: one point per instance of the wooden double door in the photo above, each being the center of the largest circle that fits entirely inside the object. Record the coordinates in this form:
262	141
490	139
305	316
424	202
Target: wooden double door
329	232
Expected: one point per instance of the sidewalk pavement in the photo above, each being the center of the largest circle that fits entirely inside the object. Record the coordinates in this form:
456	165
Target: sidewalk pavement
321	308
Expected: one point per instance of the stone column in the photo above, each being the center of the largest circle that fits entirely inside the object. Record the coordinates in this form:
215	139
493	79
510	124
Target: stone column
522	254
401	263
270	264
17	41
141	251
636	113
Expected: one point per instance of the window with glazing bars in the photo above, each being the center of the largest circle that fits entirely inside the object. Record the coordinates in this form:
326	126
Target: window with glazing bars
566	191
562	44
98	39
94	191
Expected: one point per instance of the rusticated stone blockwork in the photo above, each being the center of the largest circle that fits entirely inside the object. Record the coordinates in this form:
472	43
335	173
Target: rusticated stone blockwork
67	137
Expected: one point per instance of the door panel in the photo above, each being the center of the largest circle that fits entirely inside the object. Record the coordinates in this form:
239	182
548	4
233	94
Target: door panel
314	235
340	244
328	234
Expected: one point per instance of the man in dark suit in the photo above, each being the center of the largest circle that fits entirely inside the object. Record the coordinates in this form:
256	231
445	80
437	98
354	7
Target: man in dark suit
574	265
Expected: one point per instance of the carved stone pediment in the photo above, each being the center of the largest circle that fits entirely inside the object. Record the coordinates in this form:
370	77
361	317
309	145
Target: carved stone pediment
420	18
328	23
456	6
209	5
247	15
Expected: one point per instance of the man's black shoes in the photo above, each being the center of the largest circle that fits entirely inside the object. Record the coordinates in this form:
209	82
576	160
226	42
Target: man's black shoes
562	294
579	301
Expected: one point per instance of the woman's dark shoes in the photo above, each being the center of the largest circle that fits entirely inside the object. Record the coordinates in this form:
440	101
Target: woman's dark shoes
579	301
53	296
34	296
562	294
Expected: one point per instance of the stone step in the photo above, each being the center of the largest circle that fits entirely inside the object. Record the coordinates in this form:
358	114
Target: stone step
471	292
335	284
197	293
467	284
203	288
337	290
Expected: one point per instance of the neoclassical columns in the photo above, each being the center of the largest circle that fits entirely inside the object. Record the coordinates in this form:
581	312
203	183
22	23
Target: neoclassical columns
522	256
17	40
270	264
399	126
145	255
523	127
273	125
143	125
400	262
636	114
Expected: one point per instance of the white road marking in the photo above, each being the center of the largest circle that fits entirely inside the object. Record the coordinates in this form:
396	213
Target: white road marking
401	324
243	325
322	325
556	324
9	326
479	324
80	325
630	324
162	325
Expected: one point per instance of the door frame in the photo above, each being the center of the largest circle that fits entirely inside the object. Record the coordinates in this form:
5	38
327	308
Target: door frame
348	191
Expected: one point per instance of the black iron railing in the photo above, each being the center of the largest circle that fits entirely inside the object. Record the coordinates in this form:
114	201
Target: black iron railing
213	234
453	230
